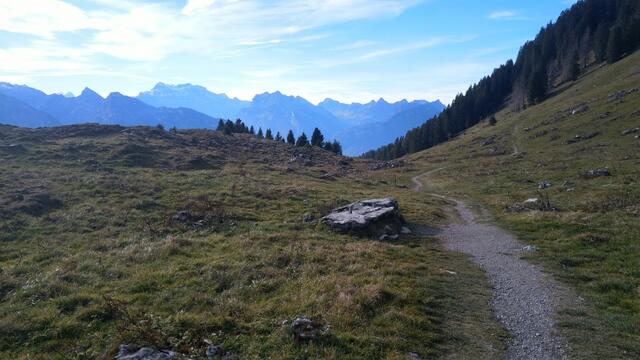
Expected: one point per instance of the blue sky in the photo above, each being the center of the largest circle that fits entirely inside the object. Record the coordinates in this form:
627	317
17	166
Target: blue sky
349	50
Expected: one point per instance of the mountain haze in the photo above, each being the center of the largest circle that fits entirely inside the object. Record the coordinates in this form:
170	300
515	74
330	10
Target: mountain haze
358	139
89	106
194	97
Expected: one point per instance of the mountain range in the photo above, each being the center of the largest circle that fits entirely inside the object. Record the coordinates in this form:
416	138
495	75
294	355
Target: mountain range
359	127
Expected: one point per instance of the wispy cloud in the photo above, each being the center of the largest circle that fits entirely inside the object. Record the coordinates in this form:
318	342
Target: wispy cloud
152	31
503	14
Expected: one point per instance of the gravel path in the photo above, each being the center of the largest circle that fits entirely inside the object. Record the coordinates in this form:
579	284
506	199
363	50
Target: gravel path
525	299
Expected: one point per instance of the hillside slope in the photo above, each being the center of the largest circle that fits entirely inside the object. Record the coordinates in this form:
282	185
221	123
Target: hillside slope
112	235
358	139
585	227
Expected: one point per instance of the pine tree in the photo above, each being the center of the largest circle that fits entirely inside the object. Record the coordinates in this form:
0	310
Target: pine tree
260	135
228	127
317	138
574	69
220	125
538	85
302	140
601	39
336	147
615	45
252	131
268	135
291	140
278	136
239	126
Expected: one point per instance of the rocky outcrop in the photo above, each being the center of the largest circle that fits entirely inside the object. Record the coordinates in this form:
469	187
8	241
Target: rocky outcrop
379	218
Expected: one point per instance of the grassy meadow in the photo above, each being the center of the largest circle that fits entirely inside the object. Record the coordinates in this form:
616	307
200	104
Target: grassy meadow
91	255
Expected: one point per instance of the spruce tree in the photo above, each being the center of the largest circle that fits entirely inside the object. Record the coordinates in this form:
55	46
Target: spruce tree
268	135
615	45
337	148
291	140
260	135
278	136
302	140
252	131
317	138
574	69
228	127
220	125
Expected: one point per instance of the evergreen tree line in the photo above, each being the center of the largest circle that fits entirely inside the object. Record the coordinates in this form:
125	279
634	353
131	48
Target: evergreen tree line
229	127
591	32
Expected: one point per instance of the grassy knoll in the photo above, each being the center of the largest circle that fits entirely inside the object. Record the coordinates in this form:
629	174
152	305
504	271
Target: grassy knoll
91	255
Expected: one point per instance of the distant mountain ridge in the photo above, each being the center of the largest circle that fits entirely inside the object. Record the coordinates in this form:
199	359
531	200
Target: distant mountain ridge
359	127
373	111
193	97
282	113
359	139
56	109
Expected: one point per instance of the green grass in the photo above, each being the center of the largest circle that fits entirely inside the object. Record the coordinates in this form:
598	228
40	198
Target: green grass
592	242
103	263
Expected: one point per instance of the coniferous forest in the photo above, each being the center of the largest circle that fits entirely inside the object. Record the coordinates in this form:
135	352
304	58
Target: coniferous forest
589	33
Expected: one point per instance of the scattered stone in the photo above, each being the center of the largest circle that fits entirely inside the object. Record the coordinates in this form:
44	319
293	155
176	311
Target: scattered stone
386	165
184	216
580	109
129	352
214	351
308	218
544	185
529	248
596	173
631	131
619	95
414	356
635	113
579	138
605	115
405	230
376	217
13	148
305	329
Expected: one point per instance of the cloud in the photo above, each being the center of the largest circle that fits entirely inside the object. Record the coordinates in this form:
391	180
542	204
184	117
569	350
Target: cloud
503	14
128	30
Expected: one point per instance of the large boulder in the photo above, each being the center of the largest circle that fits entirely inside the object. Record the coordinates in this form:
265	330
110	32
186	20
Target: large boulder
376	217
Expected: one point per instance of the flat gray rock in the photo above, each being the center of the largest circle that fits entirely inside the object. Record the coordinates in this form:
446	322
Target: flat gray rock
374	216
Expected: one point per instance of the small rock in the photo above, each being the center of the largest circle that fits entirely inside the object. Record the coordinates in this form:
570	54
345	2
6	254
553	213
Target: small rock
544	185
405	230
128	352
308	218
183	216
631	131
529	248
214	351
304	329
591	174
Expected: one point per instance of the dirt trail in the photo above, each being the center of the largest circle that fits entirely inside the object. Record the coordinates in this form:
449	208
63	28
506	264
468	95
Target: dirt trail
525	298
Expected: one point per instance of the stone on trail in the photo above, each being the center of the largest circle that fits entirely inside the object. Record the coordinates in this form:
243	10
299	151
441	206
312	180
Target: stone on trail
379	218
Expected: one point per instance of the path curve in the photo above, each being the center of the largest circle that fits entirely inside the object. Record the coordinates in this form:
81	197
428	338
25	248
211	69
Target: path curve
526	299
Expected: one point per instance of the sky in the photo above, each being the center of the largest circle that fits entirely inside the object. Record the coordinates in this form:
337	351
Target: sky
348	50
